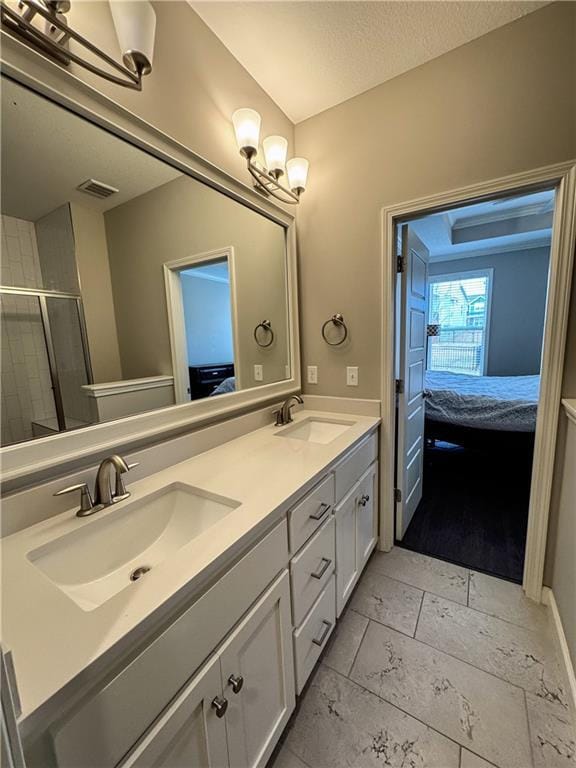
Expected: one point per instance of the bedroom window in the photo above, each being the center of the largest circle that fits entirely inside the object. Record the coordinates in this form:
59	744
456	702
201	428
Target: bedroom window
460	305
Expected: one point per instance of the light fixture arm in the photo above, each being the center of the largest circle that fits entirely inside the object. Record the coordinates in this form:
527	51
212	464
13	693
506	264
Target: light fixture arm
20	25
268	183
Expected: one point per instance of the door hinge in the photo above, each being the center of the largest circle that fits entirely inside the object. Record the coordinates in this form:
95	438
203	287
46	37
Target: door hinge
399	387
397	495
400	263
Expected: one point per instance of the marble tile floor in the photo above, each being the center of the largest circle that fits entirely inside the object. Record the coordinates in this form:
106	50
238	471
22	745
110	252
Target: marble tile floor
434	666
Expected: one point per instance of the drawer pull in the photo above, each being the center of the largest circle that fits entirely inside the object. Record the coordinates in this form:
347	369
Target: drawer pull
327	626
364	500
236	682
322	509
324	565
220	705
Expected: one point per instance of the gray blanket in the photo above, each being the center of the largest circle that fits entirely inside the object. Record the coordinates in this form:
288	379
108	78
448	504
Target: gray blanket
506	403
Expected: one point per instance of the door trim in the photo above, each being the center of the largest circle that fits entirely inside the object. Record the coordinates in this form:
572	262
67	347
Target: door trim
563	177
175	311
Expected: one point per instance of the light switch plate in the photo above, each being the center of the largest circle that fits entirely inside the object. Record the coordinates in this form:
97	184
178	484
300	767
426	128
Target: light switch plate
312	374
352	375
258	373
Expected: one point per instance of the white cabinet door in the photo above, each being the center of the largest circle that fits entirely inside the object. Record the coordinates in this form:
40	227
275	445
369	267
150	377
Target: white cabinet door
366	519
347	564
257	666
356	533
190	734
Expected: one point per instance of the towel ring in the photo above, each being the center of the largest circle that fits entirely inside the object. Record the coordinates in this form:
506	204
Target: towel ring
338	321
266	325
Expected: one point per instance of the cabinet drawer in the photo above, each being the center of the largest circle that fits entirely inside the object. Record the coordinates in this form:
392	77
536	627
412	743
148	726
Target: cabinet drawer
351	467
312	636
311	569
310	513
110	723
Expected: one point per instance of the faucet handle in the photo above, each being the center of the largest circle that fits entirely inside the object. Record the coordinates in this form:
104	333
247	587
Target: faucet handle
86	501
120	492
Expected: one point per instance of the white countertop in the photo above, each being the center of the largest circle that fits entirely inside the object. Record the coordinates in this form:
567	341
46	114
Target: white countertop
56	644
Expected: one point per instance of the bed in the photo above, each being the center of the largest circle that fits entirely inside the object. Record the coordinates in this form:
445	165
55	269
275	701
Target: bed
467	410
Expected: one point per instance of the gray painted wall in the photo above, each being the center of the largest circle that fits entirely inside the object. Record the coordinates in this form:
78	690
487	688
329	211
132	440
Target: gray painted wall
208	320
518	307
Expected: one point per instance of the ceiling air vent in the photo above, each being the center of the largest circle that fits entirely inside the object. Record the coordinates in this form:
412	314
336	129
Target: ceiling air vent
96	188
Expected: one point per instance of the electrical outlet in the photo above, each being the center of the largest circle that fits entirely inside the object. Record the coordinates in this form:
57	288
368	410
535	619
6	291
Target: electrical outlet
258	373
352	375
312	374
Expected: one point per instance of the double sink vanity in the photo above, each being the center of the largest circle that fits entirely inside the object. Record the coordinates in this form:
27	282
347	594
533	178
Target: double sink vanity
167	616
177	626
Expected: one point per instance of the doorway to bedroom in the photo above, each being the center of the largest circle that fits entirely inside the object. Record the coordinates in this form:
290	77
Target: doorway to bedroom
470	314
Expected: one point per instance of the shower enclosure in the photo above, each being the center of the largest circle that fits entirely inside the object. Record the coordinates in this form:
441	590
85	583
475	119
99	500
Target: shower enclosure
45	362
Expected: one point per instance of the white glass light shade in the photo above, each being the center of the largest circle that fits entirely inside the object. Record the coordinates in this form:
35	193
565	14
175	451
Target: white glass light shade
135	24
247	128
275	150
297	169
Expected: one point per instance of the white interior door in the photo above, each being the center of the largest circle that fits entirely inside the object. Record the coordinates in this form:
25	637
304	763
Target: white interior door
412	369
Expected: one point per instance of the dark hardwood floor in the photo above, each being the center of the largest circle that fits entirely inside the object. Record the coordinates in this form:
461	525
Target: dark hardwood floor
474	510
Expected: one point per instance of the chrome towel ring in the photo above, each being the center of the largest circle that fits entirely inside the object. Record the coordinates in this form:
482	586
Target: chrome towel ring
266	326
338	321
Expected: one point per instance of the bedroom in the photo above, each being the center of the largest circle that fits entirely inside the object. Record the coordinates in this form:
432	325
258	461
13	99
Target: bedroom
486	268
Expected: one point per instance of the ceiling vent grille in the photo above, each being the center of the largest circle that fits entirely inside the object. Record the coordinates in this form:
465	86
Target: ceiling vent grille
97	189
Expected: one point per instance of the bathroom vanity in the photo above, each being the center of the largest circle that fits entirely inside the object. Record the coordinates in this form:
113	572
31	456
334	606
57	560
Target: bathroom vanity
248	555
178	625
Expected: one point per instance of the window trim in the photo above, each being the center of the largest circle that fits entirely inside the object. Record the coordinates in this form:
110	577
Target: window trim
464	275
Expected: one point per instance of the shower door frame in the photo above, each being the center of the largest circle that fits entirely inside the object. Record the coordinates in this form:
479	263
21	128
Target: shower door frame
43	296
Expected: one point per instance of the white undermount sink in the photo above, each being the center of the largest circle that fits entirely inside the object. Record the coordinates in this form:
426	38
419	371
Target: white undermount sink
316	430
107	555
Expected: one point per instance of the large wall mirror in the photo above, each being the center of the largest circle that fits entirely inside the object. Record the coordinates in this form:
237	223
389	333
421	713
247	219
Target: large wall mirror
126	285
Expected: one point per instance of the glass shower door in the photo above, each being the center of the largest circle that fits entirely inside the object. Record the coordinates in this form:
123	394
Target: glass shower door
28	401
71	361
45	363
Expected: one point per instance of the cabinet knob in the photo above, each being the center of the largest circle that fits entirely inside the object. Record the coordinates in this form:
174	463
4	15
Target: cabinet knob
220	705
236	682
364	499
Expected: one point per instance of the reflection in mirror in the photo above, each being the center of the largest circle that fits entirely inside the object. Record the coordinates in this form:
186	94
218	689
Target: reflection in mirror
126	286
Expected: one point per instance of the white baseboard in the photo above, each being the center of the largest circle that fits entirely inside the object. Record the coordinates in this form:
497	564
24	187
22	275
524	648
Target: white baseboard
549	600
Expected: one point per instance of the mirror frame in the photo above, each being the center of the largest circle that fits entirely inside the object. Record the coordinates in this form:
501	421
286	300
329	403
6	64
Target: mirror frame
34	460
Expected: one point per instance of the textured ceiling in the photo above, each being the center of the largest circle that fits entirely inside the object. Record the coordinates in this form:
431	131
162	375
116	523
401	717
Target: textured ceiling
47	152
309	56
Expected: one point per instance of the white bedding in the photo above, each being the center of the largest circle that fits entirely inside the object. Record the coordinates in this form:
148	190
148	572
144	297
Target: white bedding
506	403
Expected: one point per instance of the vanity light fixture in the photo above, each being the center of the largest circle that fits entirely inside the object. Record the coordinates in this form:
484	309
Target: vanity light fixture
247	124
42	24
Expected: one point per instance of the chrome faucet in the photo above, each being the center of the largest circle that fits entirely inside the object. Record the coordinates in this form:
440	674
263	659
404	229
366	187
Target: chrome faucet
103	494
284	413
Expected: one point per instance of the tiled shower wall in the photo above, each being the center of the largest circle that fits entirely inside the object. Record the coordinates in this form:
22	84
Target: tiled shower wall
26	384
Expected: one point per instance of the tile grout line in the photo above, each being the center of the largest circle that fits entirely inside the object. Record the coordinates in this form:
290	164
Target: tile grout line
471	572
404	711
407	584
529	728
359	645
419	614
285	746
382	624
451	656
441	650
